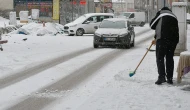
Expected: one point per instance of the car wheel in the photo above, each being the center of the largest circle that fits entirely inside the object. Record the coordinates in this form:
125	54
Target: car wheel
128	45
71	34
80	32
133	36
142	24
96	46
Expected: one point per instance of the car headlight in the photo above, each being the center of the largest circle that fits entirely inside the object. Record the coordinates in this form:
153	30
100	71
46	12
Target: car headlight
123	35
96	34
74	25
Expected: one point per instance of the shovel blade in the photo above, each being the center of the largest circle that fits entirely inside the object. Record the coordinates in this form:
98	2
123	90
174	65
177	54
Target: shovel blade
131	74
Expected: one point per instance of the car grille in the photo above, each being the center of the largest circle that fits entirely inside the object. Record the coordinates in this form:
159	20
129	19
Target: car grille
110	35
66	27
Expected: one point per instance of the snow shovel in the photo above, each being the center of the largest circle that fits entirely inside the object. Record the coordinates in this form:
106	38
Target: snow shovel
133	73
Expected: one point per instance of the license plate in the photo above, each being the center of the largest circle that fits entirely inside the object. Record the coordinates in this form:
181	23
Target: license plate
66	32
109	39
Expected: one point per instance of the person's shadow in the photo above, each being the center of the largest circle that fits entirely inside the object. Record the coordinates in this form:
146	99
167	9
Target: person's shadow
185	83
186	88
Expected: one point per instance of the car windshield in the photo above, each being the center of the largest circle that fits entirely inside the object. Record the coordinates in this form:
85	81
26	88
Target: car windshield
125	14
80	19
112	24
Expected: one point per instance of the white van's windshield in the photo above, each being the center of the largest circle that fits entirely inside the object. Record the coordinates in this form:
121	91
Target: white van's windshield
80	19
126	14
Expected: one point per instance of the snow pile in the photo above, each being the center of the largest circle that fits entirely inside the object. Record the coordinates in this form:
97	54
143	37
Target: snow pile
40	30
3	21
187	53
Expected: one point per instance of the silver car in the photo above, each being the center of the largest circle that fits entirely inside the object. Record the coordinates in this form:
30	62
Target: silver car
114	32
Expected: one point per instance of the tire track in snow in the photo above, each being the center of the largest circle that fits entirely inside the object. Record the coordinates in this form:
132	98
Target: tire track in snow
70	81
75	78
145	31
149	35
23	74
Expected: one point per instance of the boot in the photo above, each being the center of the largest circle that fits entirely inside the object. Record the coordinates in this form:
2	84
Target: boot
170	81
160	81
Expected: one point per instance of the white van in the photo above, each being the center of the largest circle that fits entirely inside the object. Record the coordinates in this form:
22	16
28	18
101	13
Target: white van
85	23
135	18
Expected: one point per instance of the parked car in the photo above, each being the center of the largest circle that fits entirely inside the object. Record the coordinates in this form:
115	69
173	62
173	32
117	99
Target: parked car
85	23
136	18
114	32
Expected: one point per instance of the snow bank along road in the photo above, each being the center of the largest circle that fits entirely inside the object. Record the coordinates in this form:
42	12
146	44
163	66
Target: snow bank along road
78	67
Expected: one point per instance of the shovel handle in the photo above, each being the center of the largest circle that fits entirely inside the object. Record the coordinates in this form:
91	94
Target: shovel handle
143	56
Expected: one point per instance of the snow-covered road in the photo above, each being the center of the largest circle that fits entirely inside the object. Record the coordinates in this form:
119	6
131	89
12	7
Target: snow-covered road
67	73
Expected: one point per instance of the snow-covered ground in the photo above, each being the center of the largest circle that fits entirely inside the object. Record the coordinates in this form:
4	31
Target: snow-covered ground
29	80
3	22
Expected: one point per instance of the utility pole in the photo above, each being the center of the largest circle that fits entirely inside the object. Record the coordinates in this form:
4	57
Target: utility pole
140	5
121	8
164	3
148	13
102	5
122	5
72	10
26	4
157	5
126	3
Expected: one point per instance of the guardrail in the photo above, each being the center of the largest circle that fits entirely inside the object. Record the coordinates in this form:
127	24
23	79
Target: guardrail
8	29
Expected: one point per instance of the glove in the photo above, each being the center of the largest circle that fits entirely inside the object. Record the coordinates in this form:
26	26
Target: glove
154	41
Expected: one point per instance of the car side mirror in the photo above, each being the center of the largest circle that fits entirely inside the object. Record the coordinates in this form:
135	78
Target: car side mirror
95	27
130	28
87	22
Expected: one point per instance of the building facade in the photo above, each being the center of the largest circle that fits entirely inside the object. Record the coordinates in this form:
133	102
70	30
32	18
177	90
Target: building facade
45	6
72	9
6	5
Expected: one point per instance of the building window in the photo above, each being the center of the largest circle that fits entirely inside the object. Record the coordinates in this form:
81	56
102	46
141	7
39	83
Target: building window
45	6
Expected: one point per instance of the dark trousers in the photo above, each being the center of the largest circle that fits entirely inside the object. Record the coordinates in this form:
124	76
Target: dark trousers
164	53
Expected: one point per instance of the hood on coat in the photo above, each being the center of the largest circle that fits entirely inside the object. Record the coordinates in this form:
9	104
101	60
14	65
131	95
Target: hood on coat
166	8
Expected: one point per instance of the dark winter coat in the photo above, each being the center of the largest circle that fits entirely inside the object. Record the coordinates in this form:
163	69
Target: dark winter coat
165	24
